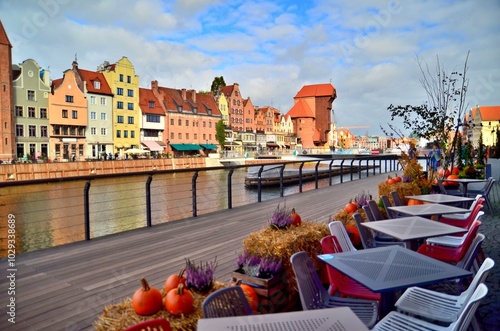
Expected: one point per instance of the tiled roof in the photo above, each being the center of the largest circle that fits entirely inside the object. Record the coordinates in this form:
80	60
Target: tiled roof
317	90
300	110
145	96
4	40
56	83
173	98
489	113
90	77
227	90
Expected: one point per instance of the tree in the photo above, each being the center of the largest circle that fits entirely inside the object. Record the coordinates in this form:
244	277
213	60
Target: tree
480	151
217	82
496	151
220	133
459	152
441	114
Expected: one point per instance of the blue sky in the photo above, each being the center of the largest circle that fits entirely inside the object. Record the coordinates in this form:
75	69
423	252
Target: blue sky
366	49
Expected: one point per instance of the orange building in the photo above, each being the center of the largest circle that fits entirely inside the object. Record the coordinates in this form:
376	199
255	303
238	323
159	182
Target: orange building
67	118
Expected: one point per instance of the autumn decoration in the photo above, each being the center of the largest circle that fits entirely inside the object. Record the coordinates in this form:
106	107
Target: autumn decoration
146	300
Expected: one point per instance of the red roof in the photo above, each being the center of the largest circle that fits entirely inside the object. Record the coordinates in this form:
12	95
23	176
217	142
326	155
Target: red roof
4	40
300	110
227	90
173	99
90	77
317	90
489	113
56	83
145	97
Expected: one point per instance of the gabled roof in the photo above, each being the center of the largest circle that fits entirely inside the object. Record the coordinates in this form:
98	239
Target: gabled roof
227	90
4	40
317	90
90	77
489	113
172	99
300	110
56	83
145	96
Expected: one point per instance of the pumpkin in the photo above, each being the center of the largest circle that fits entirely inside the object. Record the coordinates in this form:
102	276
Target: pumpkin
147	300
351	207
390	180
296	220
451	183
174	280
251	295
455	171
442	173
353	234
179	301
397	179
413	202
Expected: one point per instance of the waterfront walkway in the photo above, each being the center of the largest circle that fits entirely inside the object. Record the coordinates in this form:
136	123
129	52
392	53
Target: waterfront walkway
66	287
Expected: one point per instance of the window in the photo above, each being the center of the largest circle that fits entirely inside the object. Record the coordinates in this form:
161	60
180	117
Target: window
93	131
171	121
209	124
57	130
129	79
58	149
69	98
19	111
31	95
44	131
209	136
80	149
187	122
64	113
65	130
92	100
130	93
204	124
125	133
172	135
121	77
118	134
195	136
130	120
187	135
43	112
204	136
119	91
92	115
130	106
72	131
119	105
180	135
153	118
74	114
179	121
151	104
103	131
132	134
19	130
81	131
103	101
103	116
97	85
119	119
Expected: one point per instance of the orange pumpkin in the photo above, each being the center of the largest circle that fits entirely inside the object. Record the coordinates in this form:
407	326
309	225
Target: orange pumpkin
253	300
443	173
451	177
173	281
455	171
397	179
147	300
296	220
351	207
413	202
179	301
390	180
353	232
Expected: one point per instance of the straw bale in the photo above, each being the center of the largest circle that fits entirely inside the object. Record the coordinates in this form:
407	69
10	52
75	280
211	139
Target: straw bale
118	317
404	189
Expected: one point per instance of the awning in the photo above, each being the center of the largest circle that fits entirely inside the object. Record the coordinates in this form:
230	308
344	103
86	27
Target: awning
118	146
161	143
126	145
208	146
186	147
152	145
272	145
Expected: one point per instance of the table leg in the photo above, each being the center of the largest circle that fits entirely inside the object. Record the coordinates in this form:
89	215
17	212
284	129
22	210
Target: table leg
387	301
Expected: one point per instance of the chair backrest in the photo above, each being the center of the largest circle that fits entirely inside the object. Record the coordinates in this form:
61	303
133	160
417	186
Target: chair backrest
467	262
312	293
377	215
364	233
471	234
396	199
387	204
331	245
226	302
368	213
467	314
488	186
479	278
475	202
338	230
159	324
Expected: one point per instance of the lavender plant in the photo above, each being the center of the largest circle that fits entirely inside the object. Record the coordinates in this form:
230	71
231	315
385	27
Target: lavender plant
255	266
200	278
363	198
269	267
281	219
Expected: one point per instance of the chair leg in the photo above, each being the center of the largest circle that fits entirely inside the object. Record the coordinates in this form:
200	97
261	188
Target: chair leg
474	324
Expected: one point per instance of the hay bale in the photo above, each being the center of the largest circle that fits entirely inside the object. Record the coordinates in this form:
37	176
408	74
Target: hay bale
403	189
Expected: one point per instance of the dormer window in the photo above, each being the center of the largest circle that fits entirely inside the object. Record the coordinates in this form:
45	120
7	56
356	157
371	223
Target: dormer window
209	112
151	104
179	108
195	110
97	85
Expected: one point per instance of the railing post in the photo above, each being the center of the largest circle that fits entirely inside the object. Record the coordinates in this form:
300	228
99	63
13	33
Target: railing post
148	200
259	187
359	169
316	175
86	211
374	162
367	168
330	173
282	169
230	189
193	187
300	177
352	161
342	171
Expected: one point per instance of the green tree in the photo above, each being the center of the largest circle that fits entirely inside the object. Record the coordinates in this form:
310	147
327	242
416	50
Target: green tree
496	152
480	151
217	82
220	133
459	155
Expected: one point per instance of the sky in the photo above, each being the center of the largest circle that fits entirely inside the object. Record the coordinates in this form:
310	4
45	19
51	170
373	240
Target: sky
368	49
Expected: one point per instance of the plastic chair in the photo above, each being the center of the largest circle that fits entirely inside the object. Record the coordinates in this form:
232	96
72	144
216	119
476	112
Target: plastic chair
314	296
387	204
467	262
463	216
396	321
437	306
485	192
466	223
396	199
373	215
225	302
367	238
159	324
447	191
452	240
377	215
451	254
338	230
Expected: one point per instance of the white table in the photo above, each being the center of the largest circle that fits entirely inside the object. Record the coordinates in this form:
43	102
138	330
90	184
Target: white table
308	320
427	210
412	228
440	198
465	182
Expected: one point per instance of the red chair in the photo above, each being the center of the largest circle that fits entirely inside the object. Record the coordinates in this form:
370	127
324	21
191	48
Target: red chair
465	223
451	254
159	324
347	287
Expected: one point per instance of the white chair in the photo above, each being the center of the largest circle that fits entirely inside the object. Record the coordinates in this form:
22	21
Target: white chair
338	230
451	241
441	307
367	238
396	321
463	216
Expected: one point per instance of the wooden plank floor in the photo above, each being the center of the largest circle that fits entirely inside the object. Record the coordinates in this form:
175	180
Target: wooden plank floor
66	287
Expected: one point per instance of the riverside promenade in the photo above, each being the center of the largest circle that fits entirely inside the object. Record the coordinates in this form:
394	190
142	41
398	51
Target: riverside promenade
66	287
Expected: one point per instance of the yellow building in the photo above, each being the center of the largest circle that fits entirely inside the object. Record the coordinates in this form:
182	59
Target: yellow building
223	108
124	84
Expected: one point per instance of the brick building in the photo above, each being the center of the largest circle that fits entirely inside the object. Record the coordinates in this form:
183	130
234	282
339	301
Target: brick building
6	98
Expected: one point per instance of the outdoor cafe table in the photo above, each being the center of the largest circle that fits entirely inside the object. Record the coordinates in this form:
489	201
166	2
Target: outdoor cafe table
465	182
388	269
427	210
341	318
412	228
440	198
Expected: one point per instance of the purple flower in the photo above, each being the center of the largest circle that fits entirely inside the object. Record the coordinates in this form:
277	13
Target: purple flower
200	278
281	218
